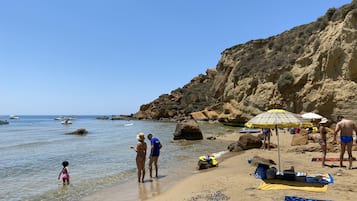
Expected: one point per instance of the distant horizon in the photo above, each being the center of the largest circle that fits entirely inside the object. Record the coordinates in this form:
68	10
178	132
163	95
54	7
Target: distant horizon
111	57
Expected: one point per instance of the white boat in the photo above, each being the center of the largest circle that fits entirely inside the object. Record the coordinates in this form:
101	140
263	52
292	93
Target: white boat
66	122
13	117
249	130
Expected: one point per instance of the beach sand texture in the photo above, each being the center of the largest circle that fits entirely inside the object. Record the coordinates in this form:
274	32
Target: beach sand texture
234	179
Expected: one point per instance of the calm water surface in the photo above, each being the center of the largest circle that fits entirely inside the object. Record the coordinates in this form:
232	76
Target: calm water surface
33	148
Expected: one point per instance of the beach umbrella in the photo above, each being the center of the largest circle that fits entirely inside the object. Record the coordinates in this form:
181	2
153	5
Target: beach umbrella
311	115
278	118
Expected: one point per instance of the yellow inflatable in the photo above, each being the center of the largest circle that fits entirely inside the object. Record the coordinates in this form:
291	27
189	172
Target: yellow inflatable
315	129
207	161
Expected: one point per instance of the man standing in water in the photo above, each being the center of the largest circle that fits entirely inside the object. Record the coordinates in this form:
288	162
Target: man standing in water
154	153
346	128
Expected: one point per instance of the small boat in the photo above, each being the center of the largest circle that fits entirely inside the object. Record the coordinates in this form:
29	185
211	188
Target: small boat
66	122
13	117
58	118
249	130
3	122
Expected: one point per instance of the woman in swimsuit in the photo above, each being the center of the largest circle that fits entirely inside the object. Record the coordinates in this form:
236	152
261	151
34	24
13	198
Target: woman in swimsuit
323	139
140	156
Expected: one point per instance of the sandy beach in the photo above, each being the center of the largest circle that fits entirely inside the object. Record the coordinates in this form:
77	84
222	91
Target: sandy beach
234	179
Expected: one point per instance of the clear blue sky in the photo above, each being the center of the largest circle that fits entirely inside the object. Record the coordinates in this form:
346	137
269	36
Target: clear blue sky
111	56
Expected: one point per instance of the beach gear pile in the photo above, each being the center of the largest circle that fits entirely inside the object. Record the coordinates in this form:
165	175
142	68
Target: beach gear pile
207	161
265	170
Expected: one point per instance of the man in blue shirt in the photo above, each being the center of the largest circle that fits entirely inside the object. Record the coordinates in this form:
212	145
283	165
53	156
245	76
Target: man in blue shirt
154	153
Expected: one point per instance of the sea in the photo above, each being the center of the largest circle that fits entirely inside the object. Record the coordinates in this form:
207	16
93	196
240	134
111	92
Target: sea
33	147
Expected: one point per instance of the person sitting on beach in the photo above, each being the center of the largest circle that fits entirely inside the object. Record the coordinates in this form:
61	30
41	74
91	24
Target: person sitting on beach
140	156
267	133
154	153
323	139
346	128
64	173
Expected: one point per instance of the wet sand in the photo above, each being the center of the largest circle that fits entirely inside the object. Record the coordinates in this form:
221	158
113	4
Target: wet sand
134	191
234	179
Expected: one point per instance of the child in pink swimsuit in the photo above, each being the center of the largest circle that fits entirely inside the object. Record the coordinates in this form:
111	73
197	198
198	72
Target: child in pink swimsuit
64	173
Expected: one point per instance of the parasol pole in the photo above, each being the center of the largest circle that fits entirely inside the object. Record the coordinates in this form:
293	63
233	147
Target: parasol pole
276	130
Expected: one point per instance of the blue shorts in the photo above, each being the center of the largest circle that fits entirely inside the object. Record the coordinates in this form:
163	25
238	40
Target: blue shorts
346	139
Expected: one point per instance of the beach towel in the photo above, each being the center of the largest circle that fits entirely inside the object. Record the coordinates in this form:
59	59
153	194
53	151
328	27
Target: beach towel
294	198
292	185
330	159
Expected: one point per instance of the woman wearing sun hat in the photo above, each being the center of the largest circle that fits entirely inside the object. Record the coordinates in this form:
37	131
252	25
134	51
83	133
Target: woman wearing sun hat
140	156
323	139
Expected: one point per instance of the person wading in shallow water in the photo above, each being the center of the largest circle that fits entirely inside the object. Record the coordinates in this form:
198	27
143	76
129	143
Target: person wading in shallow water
140	156
345	127
64	173
154	153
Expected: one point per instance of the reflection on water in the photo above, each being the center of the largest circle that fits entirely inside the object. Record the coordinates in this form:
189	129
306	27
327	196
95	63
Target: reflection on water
142	191
155	187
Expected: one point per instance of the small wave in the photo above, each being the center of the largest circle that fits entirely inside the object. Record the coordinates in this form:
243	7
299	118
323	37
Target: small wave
130	124
31	144
84	187
219	154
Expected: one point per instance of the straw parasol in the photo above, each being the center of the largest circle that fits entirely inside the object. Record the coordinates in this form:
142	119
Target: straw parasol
311	115
277	118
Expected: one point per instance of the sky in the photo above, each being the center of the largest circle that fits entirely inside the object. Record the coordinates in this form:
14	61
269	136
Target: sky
109	57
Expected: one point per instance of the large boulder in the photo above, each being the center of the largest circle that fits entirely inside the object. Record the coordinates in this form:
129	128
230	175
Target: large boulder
299	140
81	131
256	160
189	130
245	142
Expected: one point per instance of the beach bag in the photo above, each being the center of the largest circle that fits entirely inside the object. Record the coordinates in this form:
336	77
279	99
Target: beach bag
261	171
271	173
289	175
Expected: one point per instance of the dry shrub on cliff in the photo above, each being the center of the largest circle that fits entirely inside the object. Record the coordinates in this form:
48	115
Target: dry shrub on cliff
285	80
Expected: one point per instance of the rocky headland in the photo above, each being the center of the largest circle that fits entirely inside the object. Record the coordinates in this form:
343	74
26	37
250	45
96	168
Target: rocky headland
312	67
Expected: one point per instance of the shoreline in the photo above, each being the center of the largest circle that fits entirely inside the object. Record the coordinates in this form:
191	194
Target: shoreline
233	179
131	190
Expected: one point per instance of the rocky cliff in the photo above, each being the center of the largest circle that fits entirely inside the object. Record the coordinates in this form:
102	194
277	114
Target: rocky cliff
312	67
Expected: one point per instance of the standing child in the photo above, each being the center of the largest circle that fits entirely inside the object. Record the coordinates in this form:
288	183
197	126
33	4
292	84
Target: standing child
64	173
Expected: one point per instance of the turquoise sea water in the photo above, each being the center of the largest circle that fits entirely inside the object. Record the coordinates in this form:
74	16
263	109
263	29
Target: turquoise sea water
33	147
